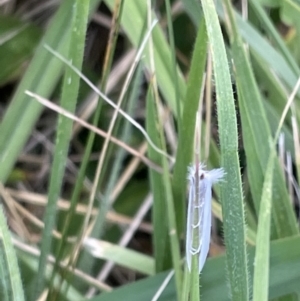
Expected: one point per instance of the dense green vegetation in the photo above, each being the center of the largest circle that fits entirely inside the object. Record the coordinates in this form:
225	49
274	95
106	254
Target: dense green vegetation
98	129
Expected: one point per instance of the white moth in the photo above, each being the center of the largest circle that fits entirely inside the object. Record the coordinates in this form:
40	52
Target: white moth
199	212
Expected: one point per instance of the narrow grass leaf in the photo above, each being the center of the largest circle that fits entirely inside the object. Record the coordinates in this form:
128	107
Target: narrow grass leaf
186	133
167	198
262	251
173	64
123	256
64	130
12	283
161	241
231	188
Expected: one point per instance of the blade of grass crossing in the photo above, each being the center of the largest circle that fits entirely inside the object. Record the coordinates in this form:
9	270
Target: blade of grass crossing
11	282
64	130
125	129
231	188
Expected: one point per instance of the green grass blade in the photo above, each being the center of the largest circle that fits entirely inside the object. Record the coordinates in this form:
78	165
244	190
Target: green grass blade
11	284
4	283
186	133
231	189
64	130
85	261
173	64
262	252
167	199
134	260
161	241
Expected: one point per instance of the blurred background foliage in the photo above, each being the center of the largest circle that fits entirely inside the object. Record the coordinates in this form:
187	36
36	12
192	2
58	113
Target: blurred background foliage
85	218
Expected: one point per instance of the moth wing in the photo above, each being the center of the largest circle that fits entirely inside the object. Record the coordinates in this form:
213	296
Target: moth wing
206	222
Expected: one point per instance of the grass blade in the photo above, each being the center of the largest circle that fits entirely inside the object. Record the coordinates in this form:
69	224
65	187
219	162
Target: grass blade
134	260
11	283
68	102
262	252
186	133
161	242
167	196
231	189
